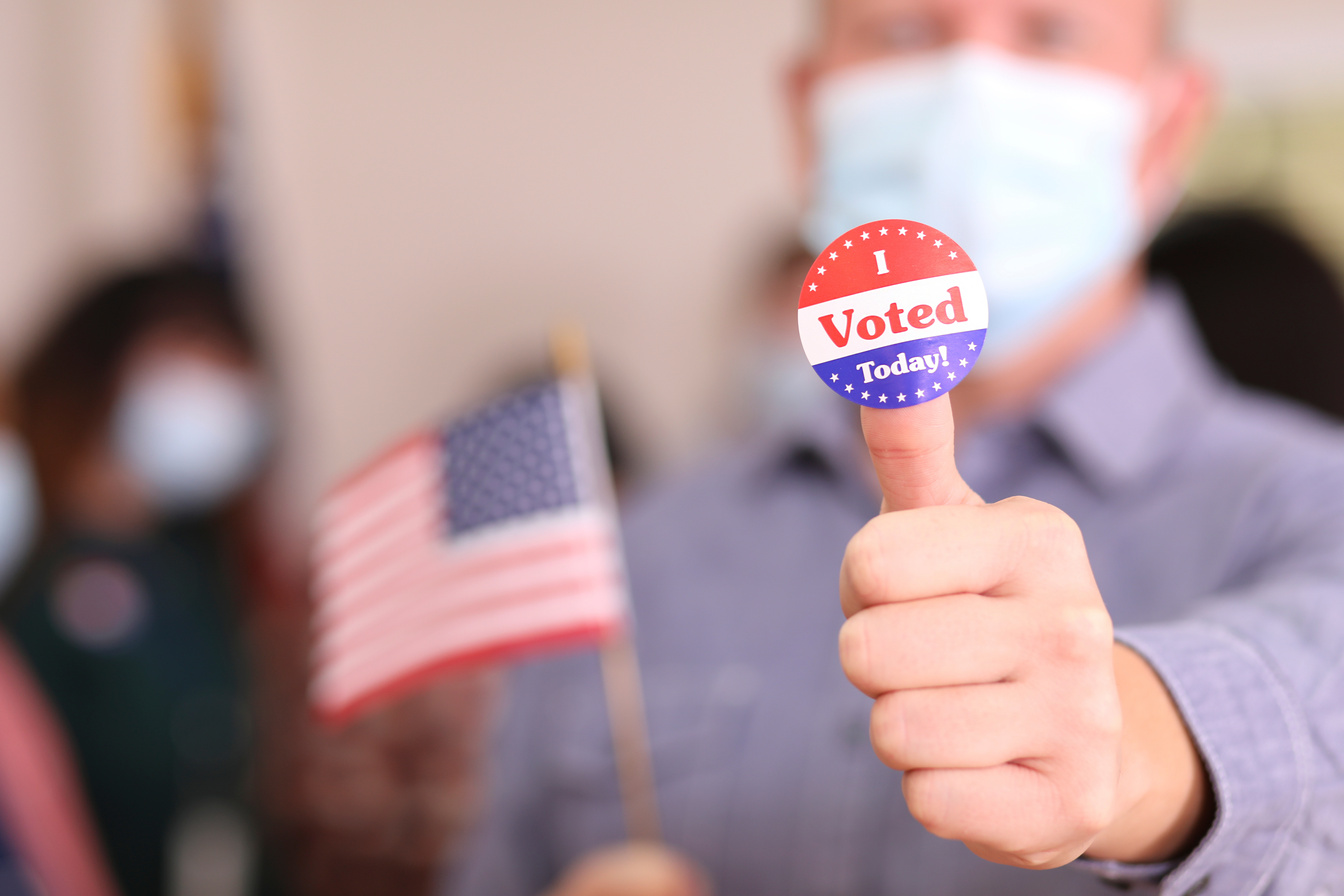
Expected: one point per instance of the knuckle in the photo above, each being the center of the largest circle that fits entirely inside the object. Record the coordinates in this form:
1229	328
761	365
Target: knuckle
1037	859
1090	813
928	804
1027	849
1081	634
1046	530
1104	718
888	730
865	564
854	651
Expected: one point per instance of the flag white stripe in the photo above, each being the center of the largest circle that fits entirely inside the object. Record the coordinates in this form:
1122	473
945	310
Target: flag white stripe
482	548
412	461
439	561
585	599
416	489
444	595
344	679
407	534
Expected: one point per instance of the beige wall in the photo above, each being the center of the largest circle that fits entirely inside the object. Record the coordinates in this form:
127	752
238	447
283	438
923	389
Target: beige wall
89	165
426	185
435	184
438	182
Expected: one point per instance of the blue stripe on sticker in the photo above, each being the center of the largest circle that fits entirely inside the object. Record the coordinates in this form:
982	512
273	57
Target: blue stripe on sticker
906	374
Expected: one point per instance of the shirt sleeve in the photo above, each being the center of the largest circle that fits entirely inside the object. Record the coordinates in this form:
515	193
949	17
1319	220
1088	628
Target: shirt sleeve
1256	672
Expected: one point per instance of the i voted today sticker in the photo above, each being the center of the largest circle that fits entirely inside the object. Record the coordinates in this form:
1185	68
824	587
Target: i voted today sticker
893	314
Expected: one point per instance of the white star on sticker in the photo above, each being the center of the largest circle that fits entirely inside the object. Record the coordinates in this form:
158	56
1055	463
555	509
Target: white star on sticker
901	231
812	287
882	232
901	397
835	377
951	255
864	395
821	271
971	346
882	398
963	362
849	244
919	393
920	235
937	387
849	388
834	256
864	235
937	244
951	376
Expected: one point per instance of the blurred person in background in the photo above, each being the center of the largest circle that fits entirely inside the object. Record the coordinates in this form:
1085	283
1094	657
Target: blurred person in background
148	414
1142	674
778	391
1224	263
47	841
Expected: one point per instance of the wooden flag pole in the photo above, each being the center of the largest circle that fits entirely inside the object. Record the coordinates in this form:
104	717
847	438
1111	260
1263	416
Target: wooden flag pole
620	663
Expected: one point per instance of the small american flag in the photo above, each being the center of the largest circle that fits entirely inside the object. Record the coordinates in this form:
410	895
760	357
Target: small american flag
489	537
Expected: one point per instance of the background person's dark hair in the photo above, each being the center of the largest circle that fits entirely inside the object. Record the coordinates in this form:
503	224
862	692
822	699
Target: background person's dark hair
1270	309
65	388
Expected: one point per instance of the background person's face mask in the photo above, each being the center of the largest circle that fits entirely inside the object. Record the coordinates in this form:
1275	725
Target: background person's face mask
1029	165
780	391
191	432
18	504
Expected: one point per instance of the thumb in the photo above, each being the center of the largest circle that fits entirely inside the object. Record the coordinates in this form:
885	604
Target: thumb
912	454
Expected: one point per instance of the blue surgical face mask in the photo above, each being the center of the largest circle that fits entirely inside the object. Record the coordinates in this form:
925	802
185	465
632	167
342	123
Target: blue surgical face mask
781	391
1031	166
18	504
191	433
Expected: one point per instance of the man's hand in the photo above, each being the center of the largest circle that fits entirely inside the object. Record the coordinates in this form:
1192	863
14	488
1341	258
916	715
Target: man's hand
632	869
1022	729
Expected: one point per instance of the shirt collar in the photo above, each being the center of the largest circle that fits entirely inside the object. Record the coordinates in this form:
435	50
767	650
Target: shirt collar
1118	414
826	442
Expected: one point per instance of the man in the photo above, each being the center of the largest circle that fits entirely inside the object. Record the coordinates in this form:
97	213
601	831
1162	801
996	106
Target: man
1197	749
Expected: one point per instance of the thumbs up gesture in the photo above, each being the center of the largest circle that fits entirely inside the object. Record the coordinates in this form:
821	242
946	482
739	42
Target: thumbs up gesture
1022	728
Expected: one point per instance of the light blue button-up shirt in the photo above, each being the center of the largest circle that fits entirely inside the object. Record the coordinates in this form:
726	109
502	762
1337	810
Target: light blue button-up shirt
1214	520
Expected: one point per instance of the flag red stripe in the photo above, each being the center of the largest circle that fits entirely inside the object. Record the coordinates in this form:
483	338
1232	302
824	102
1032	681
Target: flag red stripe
546	607
439	584
504	651
407	535
428	608
338	597
337	683
415	444
415	476
413	495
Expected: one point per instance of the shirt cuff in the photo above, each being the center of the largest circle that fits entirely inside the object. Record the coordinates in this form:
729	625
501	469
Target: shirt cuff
1254	743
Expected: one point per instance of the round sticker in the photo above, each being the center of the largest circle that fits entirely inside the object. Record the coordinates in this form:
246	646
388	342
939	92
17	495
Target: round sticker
893	314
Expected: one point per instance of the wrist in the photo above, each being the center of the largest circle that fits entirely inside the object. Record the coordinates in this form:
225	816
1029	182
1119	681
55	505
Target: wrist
1164	801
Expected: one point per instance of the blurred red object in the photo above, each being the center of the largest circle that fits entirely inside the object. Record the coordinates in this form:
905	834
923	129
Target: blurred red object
40	797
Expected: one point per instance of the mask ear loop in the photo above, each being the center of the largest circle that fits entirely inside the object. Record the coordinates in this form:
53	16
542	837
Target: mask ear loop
1160	197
